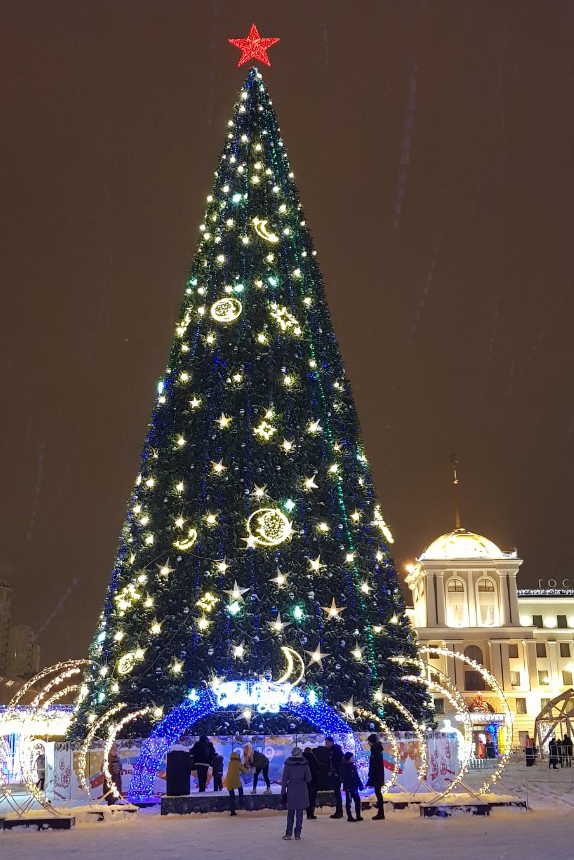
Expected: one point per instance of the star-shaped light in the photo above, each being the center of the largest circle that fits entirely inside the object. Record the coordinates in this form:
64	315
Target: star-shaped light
224	420
236	593
356	652
316	656
315	563
366	588
280	579
165	569
309	483
222	565
239	651
259	492
250	541
195	402
180	522
286	445
278	626
349	708
253	47
333	611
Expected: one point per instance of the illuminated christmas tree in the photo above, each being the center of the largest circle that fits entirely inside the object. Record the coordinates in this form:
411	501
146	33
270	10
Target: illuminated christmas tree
254	545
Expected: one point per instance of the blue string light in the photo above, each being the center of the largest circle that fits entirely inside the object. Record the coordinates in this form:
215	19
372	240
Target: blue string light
200	705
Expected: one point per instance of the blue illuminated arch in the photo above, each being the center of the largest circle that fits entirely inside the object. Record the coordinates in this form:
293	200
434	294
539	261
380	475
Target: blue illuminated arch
182	717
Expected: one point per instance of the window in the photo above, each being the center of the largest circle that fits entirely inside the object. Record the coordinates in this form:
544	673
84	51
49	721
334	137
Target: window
541	649
513	650
564	649
537	621
486	602
515	679
439	706
543	703
567	678
520	706
561	622
474	681
543	676
473	652
456	614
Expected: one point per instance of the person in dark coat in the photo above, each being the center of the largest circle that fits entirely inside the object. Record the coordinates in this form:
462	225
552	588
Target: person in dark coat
296	777
377	773
259	763
335	759
313	786
217	765
568	746
115	769
553	754
202	754
351	785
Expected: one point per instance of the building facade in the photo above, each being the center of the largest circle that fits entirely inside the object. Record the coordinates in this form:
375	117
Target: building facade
466	599
19	655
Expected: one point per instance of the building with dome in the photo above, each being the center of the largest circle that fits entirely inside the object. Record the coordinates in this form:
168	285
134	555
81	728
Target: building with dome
466	599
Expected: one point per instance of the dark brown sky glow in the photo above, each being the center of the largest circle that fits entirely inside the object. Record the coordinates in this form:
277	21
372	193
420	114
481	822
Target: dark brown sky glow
432	144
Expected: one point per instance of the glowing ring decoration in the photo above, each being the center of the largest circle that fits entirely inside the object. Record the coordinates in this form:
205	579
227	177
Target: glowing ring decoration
495	687
260	226
226	310
384	729
271	526
82	756
112	733
126	663
422	769
289	654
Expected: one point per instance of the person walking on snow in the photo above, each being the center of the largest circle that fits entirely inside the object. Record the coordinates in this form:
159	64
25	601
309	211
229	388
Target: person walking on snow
296	777
259	763
352	785
335	760
233	779
202	755
377	773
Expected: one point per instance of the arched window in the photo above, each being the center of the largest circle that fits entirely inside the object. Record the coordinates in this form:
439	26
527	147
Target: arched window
473	680
456	603
486	602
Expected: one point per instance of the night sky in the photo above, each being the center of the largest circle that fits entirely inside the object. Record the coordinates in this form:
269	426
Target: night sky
433	147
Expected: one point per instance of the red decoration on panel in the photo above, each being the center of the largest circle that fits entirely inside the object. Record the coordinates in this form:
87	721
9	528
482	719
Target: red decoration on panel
253	47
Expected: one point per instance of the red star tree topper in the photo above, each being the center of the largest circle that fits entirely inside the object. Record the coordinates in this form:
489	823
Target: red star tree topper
253	47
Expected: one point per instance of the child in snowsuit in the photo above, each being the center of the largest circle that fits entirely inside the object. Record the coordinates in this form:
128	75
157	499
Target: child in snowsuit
351	786
217	765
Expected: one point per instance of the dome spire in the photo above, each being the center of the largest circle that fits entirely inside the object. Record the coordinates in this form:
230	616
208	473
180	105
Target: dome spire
454	462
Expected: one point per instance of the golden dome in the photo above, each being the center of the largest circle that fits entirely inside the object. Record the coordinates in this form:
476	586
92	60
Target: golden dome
462	544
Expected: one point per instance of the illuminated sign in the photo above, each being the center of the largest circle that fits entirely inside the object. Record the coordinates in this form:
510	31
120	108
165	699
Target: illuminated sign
264	696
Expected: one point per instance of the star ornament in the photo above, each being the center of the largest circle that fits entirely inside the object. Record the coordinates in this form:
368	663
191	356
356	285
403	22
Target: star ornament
253	47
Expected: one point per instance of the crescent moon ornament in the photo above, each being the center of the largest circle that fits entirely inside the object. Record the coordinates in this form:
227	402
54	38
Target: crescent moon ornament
260	226
188	542
289	654
126	663
269	527
226	310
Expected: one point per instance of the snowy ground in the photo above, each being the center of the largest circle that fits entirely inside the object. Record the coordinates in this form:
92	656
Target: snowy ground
545	830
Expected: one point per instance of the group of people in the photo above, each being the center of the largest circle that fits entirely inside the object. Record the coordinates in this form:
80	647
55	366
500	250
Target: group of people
560	752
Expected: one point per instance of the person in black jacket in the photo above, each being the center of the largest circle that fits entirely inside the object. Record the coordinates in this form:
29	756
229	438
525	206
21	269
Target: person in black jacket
377	773
352	785
335	759
312	786
202	754
217	765
553	754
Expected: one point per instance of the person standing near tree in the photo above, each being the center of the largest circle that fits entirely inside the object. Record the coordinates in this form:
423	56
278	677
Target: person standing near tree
115	769
296	778
217	766
377	773
313	786
202	754
233	779
259	763
352	785
335	760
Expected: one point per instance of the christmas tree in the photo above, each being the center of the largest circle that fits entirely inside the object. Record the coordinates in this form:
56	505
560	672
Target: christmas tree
254	540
